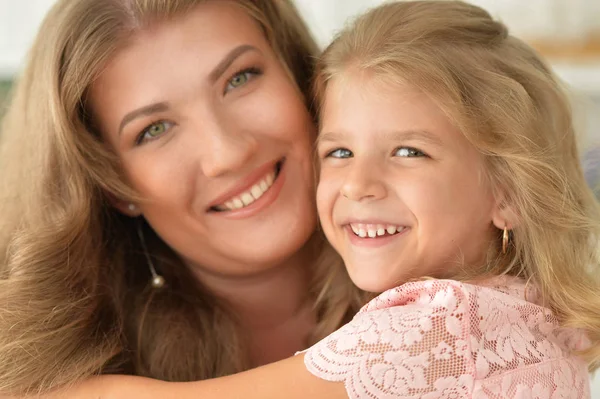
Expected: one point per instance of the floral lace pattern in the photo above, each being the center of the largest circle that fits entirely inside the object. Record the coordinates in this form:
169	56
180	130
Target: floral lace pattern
441	339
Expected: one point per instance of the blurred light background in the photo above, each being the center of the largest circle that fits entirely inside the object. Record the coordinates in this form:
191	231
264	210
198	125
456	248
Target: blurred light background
567	32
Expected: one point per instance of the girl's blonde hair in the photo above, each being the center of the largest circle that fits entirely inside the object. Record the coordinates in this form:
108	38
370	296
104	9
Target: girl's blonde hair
74	283
510	106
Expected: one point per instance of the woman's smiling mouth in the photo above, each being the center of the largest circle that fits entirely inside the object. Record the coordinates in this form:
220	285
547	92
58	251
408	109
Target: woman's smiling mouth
251	192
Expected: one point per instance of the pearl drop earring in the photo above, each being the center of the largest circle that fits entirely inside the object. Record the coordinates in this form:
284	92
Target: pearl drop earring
132	207
158	281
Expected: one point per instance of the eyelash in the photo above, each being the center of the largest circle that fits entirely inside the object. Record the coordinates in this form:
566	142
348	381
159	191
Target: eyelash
140	138
255	71
419	153
329	154
249	70
411	150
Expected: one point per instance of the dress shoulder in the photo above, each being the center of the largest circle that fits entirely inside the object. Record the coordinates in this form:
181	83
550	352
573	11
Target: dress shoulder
411	341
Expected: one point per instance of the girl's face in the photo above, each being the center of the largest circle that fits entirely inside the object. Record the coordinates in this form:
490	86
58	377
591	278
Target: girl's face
214	134
402	193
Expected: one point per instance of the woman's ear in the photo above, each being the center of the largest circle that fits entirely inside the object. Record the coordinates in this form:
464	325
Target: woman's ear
127	208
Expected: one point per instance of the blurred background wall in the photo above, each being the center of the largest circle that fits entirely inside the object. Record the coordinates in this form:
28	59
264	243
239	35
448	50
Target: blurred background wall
567	32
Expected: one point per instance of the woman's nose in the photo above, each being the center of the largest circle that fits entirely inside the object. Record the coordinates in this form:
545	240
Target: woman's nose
226	149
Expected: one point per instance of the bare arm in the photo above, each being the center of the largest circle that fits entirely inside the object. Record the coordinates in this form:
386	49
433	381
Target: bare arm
285	379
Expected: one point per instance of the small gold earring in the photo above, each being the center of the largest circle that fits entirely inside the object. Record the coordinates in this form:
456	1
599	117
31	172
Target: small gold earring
504	240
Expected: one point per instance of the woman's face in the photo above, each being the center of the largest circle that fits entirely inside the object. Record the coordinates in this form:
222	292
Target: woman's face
213	133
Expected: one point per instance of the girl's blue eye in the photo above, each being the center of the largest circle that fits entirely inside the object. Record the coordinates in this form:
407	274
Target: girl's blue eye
408	152
241	78
154	131
340	153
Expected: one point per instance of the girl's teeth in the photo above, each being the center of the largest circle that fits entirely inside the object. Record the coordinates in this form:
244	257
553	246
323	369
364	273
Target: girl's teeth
373	231
255	192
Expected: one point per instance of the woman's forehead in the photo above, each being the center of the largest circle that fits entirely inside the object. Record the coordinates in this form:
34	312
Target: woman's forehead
173	57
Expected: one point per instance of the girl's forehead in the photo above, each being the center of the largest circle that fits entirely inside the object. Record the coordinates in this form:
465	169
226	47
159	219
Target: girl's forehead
380	102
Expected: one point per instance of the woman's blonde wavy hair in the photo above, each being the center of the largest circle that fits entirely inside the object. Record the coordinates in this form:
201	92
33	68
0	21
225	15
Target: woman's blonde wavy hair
74	283
509	105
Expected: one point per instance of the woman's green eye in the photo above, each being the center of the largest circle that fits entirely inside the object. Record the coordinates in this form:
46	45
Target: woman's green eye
154	131
239	79
157	129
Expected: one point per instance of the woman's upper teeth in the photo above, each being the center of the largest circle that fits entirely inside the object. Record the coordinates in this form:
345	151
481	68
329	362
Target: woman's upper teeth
364	230
250	195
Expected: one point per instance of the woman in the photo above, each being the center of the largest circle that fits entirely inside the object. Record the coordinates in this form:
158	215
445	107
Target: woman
158	218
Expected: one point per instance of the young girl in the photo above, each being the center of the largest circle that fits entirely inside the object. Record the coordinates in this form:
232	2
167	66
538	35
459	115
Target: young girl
449	181
157	196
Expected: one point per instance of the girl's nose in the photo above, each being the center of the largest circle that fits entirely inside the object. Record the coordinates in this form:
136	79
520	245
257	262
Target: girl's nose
363	182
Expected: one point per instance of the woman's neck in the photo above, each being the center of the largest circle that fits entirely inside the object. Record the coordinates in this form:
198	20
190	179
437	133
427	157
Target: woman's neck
267	299
273	308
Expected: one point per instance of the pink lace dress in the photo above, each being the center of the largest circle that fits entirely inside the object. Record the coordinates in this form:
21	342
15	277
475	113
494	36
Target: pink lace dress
445	339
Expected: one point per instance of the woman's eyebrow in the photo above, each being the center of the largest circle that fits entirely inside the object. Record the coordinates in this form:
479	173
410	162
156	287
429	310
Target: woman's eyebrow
143	111
229	58
215	74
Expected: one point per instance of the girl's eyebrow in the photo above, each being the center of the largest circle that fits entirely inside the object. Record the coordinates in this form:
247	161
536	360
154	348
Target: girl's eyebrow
329	137
422	135
410	134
